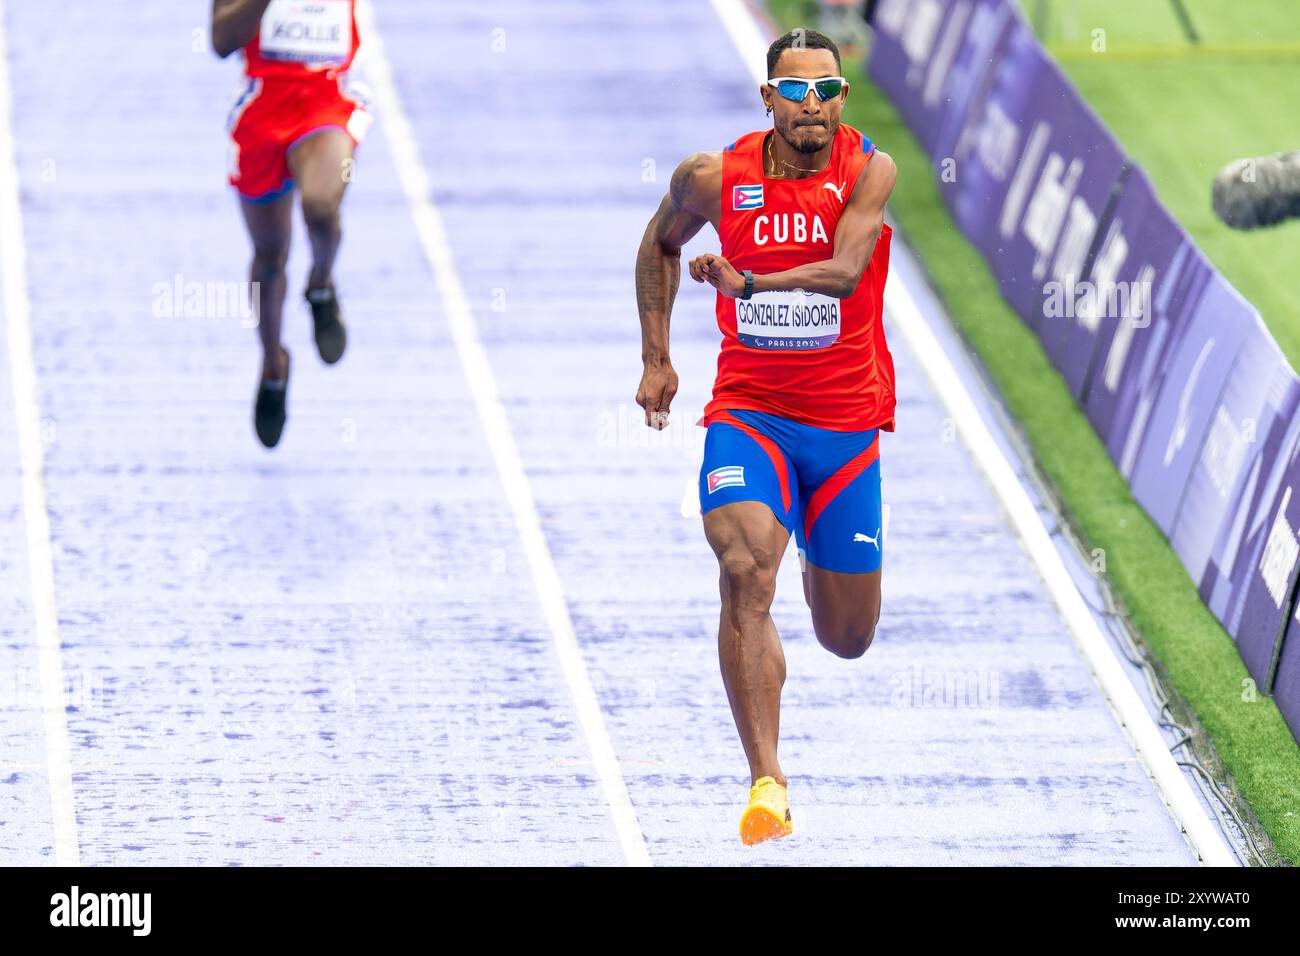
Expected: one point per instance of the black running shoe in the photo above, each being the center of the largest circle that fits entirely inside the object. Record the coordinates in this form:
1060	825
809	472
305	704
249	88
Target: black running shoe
331	335
269	412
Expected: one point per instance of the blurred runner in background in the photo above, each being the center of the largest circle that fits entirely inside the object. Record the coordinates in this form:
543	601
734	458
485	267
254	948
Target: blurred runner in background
294	124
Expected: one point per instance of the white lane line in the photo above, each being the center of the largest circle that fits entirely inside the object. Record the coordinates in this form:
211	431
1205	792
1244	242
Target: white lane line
1204	837
496	427
22	371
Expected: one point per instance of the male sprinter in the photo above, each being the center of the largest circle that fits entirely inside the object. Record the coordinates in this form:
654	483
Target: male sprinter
293	123
805	380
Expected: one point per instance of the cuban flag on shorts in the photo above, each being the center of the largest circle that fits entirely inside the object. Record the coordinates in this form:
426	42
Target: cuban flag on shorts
747	197
728	476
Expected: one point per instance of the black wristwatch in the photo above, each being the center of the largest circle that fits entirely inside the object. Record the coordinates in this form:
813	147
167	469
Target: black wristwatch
749	283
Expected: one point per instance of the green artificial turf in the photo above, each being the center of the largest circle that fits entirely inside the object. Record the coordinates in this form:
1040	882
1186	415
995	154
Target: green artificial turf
1198	659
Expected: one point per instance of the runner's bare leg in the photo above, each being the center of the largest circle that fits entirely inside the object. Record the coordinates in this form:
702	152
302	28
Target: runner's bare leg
270	226
845	608
322	167
749	542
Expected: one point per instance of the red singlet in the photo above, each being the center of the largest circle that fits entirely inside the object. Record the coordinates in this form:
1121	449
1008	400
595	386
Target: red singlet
299	38
804	356
296	65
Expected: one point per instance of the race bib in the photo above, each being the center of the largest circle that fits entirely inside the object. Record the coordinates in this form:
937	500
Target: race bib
318	32
788	321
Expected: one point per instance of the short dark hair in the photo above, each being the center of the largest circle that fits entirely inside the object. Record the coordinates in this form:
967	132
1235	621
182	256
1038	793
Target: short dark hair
800	39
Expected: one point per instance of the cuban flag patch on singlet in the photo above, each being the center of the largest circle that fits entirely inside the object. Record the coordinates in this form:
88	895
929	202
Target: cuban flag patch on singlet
747	197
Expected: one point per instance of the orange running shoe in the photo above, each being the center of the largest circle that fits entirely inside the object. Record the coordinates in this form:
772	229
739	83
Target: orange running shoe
768	815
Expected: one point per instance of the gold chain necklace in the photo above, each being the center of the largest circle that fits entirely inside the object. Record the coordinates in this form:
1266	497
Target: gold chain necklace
771	158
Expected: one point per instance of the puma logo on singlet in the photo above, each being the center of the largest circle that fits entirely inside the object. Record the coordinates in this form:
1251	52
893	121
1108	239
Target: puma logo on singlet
837	190
862	537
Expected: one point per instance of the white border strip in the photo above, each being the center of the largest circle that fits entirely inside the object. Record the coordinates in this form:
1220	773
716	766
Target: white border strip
496	427
22	369
1204	837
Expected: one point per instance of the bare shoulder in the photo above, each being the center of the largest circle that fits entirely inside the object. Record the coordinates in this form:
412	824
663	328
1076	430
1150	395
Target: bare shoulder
882	167
876	183
697	181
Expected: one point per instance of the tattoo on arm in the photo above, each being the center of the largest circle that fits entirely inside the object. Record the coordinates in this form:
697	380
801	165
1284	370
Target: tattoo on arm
658	275
659	262
680	185
659	256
